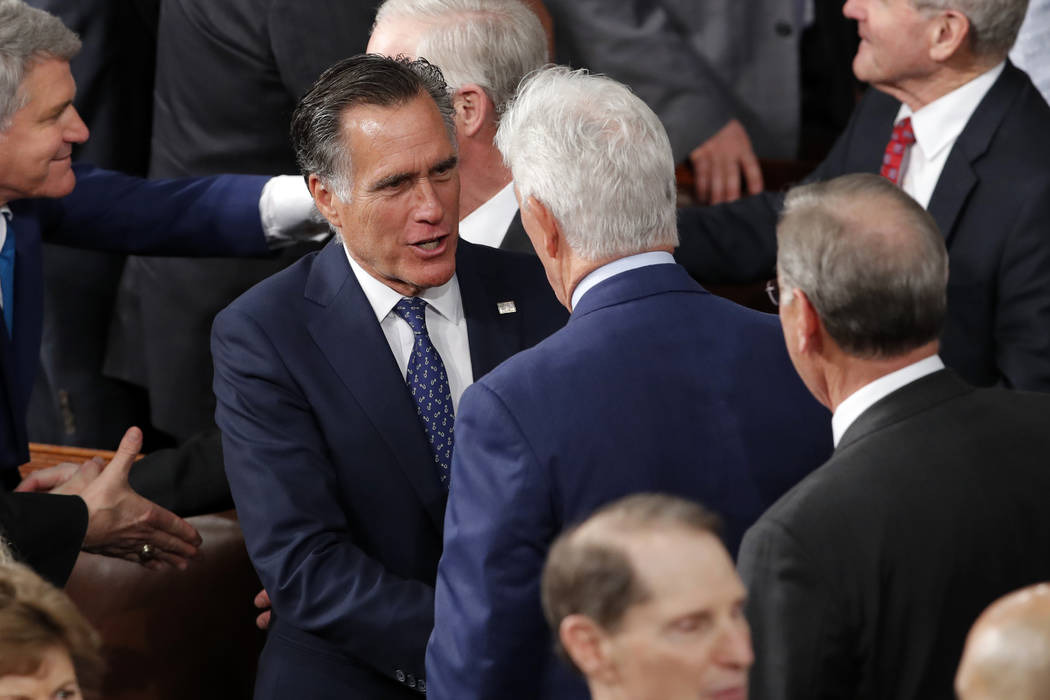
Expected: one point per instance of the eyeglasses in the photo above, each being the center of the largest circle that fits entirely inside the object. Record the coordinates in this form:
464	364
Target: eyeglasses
773	291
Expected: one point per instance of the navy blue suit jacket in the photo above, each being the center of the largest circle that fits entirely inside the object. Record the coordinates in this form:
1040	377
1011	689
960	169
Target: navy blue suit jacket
653	385
992	203
331	471
106	211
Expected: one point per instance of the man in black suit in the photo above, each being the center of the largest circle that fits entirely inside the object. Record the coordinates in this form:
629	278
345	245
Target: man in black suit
337	378
484	48
980	165
864	578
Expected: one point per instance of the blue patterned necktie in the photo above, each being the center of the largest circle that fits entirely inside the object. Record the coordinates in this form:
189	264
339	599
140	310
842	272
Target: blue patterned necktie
7	279
428	381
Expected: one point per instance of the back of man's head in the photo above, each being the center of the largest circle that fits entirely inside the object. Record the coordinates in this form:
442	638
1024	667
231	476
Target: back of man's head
597	157
870	260
490	43
994	24
1007	654
366	79
27	35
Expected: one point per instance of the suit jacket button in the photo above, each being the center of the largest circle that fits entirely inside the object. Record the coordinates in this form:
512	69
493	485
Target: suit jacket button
411	680
399	675
783	29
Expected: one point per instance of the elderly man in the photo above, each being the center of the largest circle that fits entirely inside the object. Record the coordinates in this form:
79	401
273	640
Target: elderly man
864	578
654	385
484	48
337	381
1007	652
646	604
214	216
964	133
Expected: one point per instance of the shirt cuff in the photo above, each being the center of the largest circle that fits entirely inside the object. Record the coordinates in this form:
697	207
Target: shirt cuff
288	214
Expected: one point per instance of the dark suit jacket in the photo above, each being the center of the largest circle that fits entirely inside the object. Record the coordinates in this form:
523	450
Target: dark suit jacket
516	240
864	579
331	471
109	211
992	203
654	385
259	57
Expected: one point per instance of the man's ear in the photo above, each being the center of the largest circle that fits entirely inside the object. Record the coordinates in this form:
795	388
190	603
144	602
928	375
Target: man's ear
473	109
323	198
809	329
949	32
582	639
549	230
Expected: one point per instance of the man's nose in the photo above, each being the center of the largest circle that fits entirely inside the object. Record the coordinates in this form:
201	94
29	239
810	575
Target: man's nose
76	130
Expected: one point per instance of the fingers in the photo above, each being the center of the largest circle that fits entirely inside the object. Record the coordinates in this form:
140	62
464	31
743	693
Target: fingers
170	532
262	599
263	620
720	162
701	175
127	451
753	174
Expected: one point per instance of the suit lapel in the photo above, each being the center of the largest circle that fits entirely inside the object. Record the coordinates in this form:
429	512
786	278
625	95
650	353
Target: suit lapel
493	336
907	401
347	333
958	177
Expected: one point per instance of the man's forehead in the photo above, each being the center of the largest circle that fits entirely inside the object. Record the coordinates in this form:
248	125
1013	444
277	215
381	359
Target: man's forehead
367	127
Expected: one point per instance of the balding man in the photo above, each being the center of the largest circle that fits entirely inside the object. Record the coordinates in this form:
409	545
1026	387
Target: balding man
484	48
864	578
965	133
1007	653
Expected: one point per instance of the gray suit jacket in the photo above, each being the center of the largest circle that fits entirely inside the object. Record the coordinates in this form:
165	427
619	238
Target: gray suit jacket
697	64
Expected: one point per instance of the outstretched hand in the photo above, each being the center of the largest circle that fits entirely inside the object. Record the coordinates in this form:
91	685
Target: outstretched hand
67	477
262	601
120	521
719	162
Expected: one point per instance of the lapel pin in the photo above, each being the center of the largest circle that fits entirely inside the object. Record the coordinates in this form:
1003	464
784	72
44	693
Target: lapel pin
506	307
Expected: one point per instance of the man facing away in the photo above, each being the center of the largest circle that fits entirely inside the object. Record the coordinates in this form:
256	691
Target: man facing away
653	385
644	601
965	133
484	48
337	382
864	578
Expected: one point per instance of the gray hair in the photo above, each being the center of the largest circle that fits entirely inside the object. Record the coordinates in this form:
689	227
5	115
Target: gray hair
492	43
27	36
597	157
587	571
993	23
366	79
878	282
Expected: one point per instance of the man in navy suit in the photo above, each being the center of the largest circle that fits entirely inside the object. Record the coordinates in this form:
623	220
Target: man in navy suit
980	165
336	383
653	385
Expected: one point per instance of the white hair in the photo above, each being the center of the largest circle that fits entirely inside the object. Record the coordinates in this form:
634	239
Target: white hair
27	36
994	24
491	43
597	157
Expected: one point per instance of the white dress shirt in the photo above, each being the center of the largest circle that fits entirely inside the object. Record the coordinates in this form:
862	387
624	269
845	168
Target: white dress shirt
936	127
487	225
631	262
446	325
5	216
865	397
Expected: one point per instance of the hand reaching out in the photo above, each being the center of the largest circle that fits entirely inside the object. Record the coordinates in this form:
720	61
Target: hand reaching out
719	162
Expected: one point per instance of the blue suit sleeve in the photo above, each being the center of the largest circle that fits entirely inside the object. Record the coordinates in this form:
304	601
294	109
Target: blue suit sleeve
286	490
199	216
488	623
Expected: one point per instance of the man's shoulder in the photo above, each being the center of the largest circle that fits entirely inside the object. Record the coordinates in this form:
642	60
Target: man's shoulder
277	297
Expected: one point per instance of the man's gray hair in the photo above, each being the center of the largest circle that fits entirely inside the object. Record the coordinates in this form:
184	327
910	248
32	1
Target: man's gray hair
993	23
492	43
27	36
597	157
367	79
871	261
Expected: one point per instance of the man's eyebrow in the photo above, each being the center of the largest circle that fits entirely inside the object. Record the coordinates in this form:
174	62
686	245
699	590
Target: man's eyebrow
57	111
446	164
400	178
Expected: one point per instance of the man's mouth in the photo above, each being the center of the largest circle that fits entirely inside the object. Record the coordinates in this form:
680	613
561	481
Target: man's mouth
431	244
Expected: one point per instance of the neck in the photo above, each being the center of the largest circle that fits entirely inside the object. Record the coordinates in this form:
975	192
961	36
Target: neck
952	75
575	269
845	374
482	175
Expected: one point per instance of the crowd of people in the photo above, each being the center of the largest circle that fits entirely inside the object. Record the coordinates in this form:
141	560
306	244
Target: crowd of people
496	420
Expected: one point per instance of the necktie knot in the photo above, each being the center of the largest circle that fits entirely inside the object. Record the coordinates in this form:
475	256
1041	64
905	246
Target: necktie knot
414	312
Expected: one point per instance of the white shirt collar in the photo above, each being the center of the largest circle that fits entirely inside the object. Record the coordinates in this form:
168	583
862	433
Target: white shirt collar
938	124
487	225
444	299
631	262
6	216
864	398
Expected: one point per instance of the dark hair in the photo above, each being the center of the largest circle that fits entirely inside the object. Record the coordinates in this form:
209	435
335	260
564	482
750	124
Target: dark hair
590	574
367	79
34	617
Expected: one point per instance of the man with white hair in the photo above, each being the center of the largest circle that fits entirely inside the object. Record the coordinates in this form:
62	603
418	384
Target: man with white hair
1007	652
483	48
964	132
654	385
